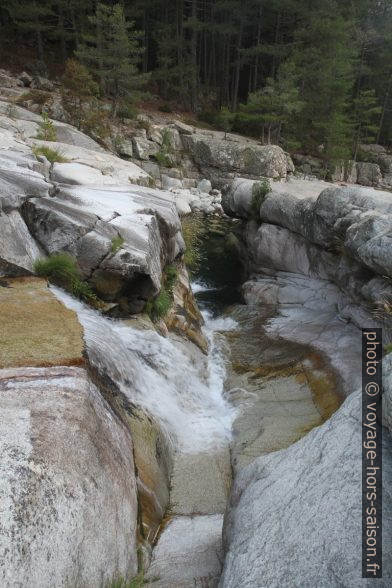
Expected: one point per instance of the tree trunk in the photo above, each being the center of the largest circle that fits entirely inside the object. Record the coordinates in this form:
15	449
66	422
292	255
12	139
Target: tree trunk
277	33
256	72
193	46
237	69
63	45
384	108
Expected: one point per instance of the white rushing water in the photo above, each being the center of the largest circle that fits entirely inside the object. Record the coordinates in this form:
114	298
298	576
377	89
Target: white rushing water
181	389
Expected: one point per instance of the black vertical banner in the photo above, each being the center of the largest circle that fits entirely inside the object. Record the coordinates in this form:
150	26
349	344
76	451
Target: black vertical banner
372	453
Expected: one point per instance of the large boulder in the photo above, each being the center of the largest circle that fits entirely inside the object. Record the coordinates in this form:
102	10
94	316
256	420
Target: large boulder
368	174
86	221
143	149
67	478
211	150
295	516
369	242
67	483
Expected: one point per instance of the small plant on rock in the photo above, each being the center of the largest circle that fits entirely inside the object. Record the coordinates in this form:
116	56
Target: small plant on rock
136	582
163	156
47	131
116	244
52	155
61	269
193	229
158	308
259	192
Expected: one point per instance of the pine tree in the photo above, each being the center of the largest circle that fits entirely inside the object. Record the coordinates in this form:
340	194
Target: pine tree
275	105
33	17
368	113
324	58
78	92
113	52
225	120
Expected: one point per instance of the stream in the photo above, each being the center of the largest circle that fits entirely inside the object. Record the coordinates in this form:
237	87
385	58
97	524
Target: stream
216	413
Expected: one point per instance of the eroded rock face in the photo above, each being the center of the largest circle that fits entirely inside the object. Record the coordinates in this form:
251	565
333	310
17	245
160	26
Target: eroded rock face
67	482
304	505
341	234
86	221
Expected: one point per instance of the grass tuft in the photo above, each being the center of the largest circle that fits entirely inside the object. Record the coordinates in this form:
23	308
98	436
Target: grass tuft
193	229
136	582
117	243
61	269
158	308
52	155
259	192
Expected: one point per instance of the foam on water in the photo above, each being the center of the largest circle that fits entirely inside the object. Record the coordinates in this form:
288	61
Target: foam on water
202	287
183	390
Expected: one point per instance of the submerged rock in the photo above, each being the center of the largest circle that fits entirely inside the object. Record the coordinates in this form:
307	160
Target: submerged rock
188	553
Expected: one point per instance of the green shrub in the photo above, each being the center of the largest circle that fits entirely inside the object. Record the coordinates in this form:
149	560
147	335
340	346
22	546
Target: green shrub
170	276
193	229
165	108
61	269
259	192
117	243
158	308
163	159
39	97
52	155
166	140
127	110
136	582
83	291
208	116
47	131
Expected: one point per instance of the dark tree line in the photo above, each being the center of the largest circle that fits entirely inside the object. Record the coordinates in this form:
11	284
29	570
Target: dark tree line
315	74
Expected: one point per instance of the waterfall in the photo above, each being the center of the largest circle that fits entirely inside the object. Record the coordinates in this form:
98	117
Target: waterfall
171	380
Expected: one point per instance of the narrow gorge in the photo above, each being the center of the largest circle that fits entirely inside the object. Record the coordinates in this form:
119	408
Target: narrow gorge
177	424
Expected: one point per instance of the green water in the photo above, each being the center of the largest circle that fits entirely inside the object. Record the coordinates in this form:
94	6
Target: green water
220	269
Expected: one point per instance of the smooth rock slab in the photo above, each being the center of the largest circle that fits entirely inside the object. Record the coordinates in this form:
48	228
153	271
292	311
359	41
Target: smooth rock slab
35	329
76	173
67	484
294	519
114	169
188	553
